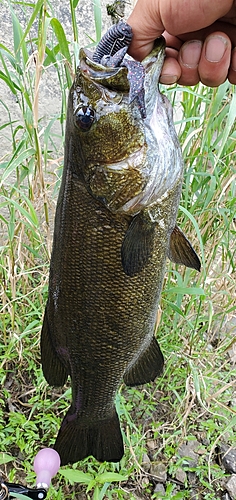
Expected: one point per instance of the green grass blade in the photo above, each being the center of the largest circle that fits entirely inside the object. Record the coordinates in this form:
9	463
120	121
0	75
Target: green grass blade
109	477
16	162
5	458
19	40
195	224
73	5
230	120
76	476
61	38
36	9
97	19
186	290
12	85
30	216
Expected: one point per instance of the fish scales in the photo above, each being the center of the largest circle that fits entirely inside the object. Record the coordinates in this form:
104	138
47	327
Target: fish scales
114	228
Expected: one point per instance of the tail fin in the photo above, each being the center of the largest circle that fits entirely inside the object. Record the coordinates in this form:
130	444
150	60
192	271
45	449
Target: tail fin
79	438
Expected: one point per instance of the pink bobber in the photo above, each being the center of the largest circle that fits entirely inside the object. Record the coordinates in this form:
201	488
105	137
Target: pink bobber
46	465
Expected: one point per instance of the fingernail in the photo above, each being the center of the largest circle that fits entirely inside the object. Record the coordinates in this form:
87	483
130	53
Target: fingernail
168	79
190	53
215	48
233	60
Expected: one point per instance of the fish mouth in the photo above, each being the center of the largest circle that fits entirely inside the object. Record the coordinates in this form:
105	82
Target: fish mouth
130	76
117	76
114	78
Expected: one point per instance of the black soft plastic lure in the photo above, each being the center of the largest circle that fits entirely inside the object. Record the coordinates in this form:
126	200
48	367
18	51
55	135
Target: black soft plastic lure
116	38
111	52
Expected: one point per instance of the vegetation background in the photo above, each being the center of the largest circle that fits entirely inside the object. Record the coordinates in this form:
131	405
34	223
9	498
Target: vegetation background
176	429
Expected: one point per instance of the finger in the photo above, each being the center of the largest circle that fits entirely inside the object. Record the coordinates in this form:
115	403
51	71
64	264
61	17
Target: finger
189	57
212	73
171	71
140	49
223	27
172	41
146	26
232	70
215	59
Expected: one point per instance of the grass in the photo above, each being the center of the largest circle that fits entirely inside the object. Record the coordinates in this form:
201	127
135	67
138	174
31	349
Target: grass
195	398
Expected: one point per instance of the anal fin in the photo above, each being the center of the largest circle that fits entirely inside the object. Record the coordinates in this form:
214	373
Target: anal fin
53	369
181	251
147	367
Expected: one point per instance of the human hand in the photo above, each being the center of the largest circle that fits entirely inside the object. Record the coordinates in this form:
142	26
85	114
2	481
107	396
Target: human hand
200	38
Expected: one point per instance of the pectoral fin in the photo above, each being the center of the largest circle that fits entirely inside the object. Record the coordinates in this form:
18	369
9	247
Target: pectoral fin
181	251
137	245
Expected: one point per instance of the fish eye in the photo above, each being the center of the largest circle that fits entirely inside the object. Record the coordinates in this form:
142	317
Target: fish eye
84	117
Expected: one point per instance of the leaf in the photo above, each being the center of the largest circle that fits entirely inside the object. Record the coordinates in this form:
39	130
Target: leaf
7	125
33	216
16	162
11	225
76	476
228	125
188	291
5	458
97	19
19	39
30	327
96	493
36	9
61	37
22	497
109	477
102	491
193	220
9	82
7	54
174	307
30	215
51	55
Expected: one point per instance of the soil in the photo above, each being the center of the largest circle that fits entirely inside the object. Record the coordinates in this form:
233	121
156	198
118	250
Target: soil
154	472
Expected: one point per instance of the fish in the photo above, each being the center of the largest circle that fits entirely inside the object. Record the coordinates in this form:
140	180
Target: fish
115	227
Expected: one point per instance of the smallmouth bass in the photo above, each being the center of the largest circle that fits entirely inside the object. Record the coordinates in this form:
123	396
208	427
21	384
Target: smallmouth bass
115	225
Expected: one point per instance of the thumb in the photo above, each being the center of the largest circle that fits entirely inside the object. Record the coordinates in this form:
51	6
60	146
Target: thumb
146	26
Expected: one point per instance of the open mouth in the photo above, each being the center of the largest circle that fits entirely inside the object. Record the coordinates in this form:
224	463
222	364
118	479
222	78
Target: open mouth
113	78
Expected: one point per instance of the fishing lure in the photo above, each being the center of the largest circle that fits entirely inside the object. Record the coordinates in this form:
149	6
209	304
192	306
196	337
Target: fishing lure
111	51
117	37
